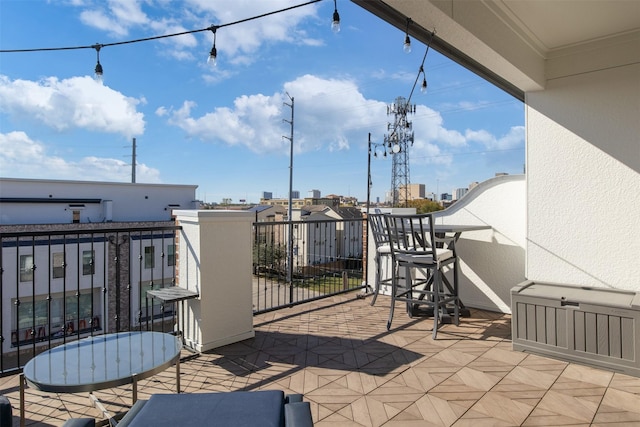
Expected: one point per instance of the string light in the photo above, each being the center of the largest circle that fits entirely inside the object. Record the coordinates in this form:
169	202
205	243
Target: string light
98	70
407	41
423	87
335	23
213	55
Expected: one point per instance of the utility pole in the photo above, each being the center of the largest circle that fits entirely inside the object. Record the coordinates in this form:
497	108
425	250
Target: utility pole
290	210
133	162
398	146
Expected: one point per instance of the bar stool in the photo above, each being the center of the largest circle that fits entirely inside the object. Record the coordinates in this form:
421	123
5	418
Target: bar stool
383	250
415	248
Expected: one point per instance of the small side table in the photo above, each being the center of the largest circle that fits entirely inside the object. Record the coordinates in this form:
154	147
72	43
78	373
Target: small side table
173	295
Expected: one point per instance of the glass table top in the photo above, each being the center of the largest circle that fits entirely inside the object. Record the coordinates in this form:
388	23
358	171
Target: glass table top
102	361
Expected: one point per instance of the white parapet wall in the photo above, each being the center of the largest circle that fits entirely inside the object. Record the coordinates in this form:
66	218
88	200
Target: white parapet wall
214	259
491	261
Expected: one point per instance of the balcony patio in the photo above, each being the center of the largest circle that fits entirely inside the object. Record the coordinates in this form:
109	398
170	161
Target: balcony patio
338	353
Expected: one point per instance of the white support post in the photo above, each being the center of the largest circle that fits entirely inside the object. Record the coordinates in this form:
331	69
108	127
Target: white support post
215	260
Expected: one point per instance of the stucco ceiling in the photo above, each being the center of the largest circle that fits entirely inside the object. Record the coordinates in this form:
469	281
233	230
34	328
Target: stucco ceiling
558	24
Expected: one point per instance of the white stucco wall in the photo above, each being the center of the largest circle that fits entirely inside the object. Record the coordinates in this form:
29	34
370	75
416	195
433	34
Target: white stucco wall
583	167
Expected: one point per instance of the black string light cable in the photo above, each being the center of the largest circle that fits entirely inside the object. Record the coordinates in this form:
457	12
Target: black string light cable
423	87
212	28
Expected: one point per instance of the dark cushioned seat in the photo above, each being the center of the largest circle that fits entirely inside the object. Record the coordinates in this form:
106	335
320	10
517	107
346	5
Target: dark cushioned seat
238	409
80	422
6	412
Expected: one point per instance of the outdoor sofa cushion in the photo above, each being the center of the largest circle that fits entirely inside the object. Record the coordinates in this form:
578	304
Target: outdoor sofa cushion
80	422
6	413
266	408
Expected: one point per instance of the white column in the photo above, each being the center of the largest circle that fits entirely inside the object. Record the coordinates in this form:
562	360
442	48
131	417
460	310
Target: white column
214	259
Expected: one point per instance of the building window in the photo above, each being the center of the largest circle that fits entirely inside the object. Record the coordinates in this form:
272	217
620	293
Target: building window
58	264
149	258
171	255
26	268
76	217
54	318
88	266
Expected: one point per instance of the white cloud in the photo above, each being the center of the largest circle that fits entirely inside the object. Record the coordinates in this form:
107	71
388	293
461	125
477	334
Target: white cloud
247	37
332	112
514	138
116	17
128	11
78	102
22	157
327	114
428	125
98	19
253	122
239	42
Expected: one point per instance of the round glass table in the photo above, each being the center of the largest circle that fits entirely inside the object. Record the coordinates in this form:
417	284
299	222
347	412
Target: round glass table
102	361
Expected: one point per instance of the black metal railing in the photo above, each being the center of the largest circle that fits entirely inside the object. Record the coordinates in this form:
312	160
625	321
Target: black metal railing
300	261
62	282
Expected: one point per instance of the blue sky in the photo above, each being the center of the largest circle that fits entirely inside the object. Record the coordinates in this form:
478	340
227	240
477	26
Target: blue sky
221	127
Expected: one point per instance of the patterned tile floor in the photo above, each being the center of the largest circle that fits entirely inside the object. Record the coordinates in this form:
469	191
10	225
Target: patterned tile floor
354	372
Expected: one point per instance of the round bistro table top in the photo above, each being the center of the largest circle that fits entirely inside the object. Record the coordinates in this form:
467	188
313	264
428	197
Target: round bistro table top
102	361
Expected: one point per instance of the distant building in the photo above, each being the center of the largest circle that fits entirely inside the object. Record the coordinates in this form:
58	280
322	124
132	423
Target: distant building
268	213
83	261
37	201
300	203
327	241
459	192
267	195
411	192
313	194
295	194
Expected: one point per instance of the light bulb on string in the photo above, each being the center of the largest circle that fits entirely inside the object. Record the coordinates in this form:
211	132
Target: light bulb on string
98	76
335	22
407	45
213	57
407	41
213	54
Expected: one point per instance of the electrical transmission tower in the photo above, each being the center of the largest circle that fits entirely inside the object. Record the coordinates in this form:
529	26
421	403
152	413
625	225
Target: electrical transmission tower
397	143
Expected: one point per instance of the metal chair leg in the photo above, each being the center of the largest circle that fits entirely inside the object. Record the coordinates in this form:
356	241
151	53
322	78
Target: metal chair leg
377	284
436	303
394	290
